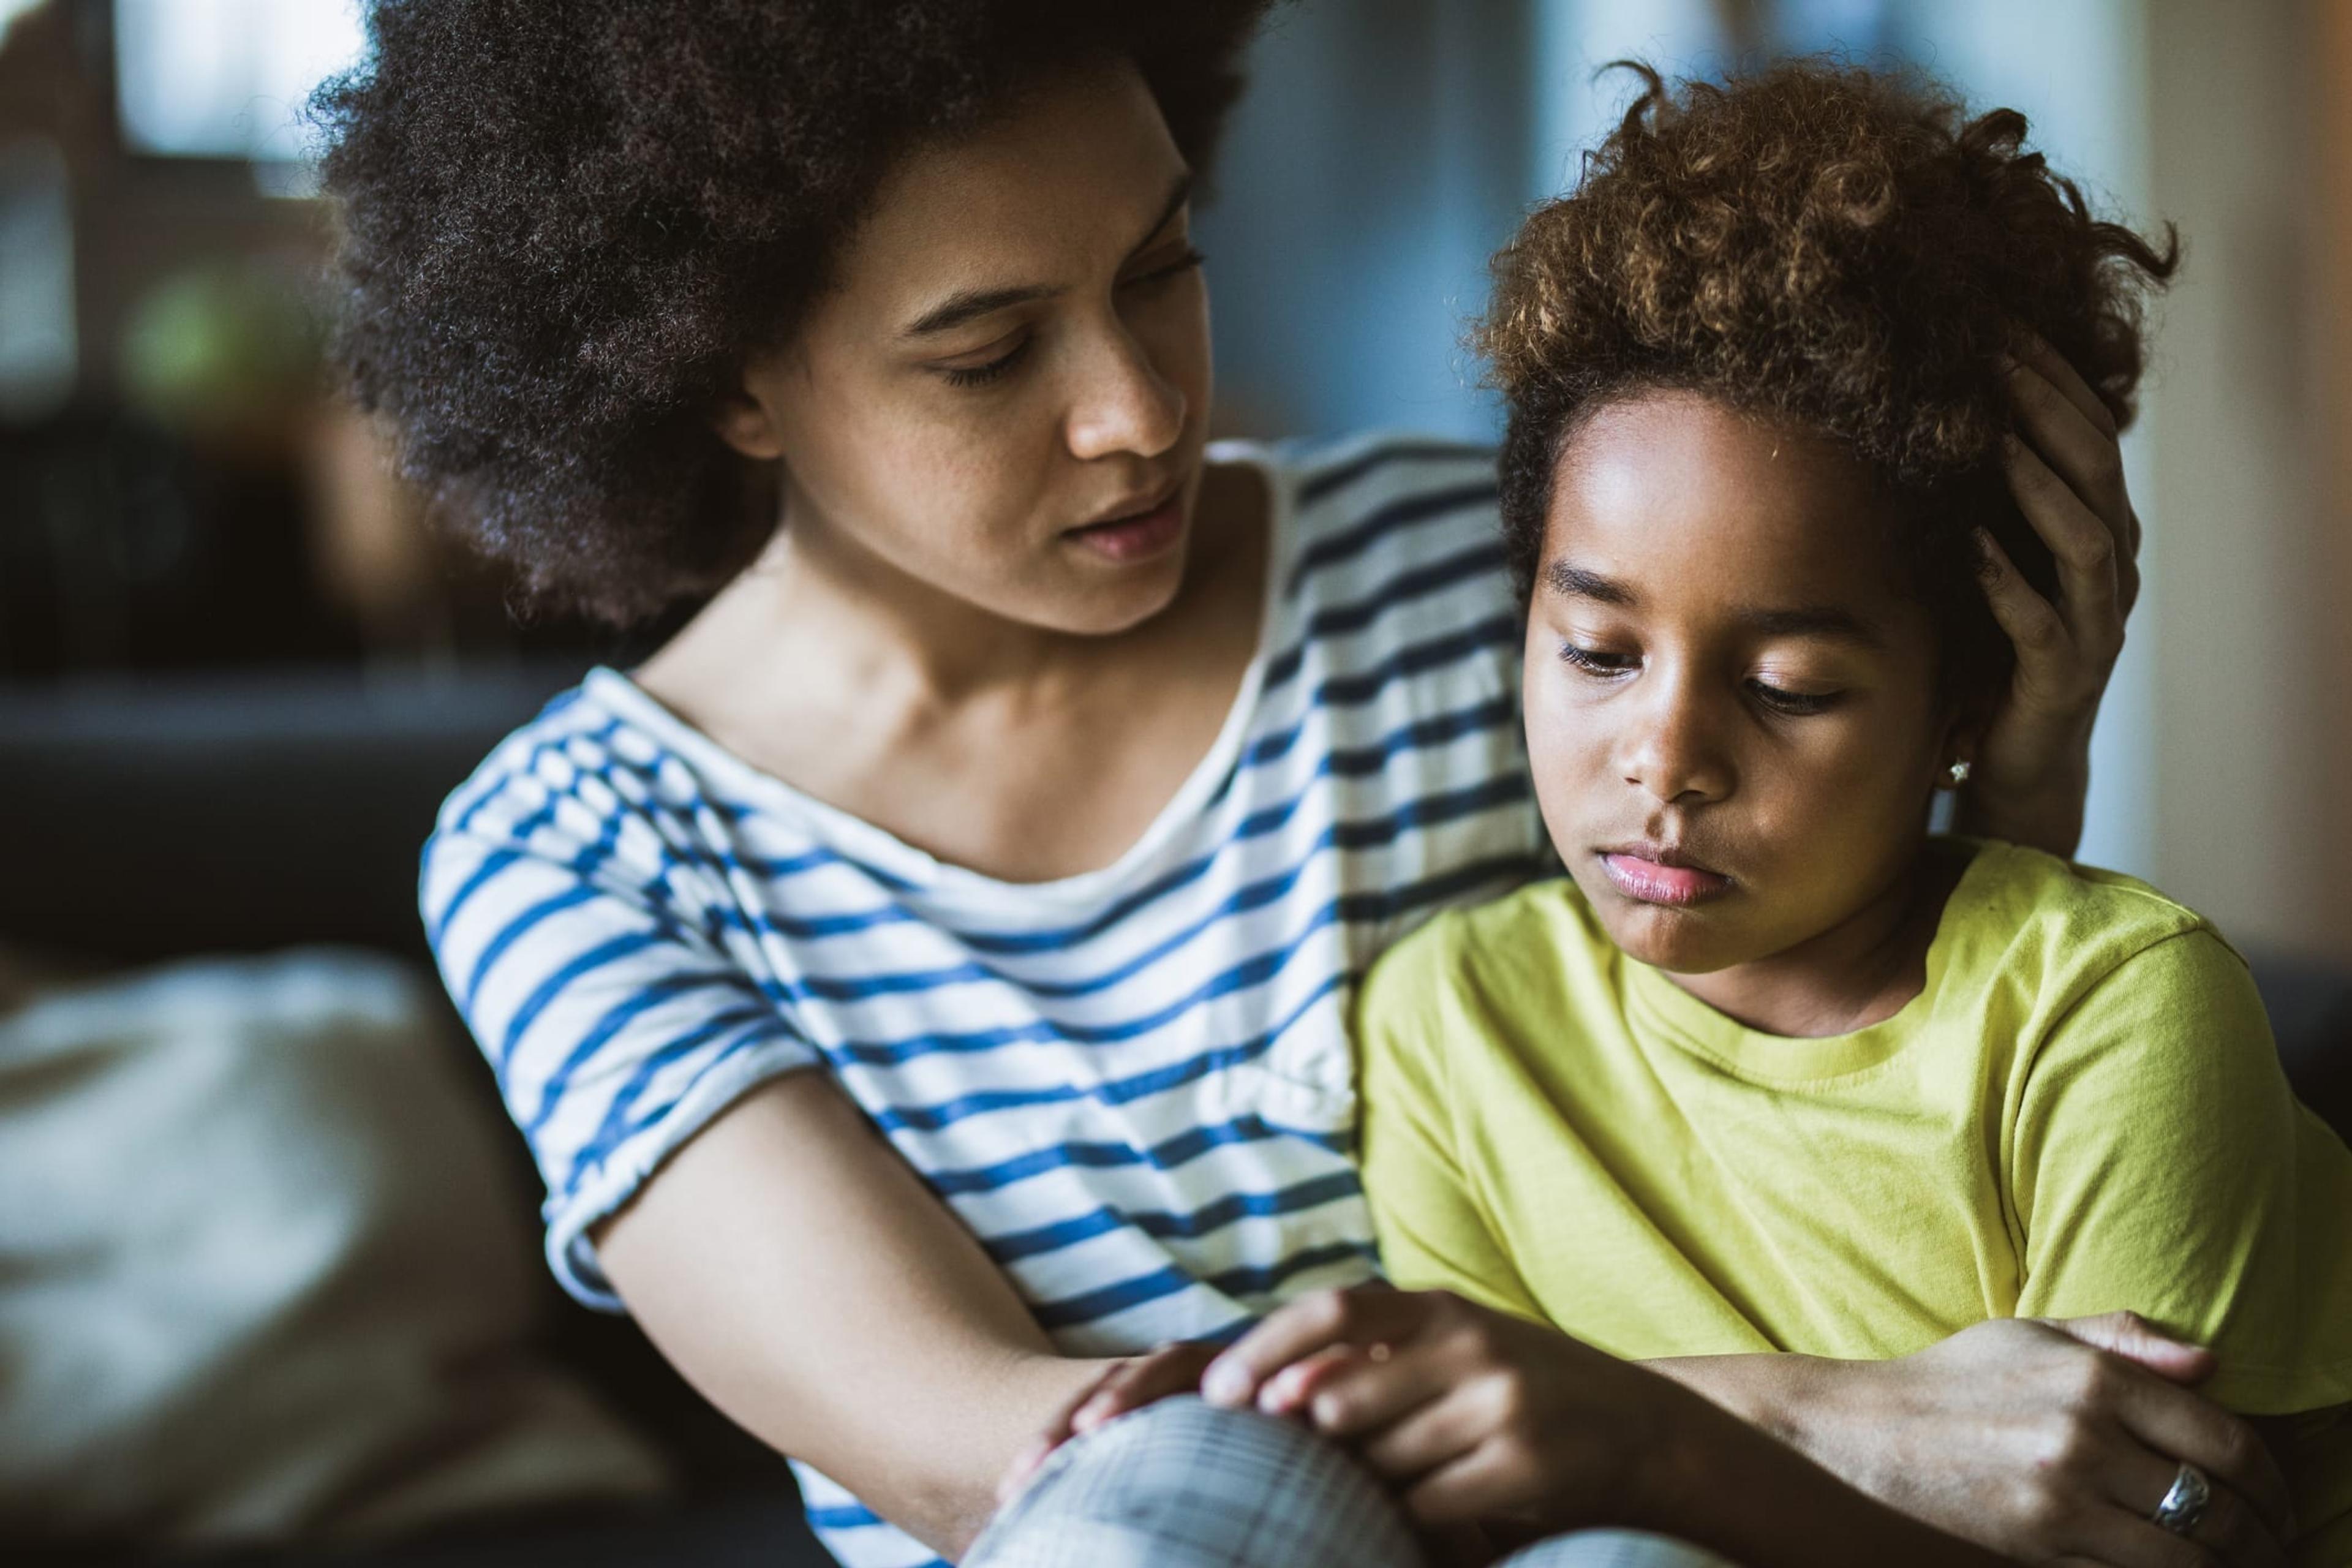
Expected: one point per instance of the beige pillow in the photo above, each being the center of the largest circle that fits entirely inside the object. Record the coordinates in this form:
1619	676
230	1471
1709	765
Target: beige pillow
264	1275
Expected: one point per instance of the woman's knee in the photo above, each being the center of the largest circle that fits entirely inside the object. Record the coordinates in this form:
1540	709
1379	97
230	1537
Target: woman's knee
1612	1548
1181	1483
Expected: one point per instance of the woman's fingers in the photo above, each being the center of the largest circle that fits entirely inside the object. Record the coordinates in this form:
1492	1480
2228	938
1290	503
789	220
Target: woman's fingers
1143	1380
1058	1431
2056	369
2118	1538
2130	1336
1309	1324
2029	622
2084	545
2181	1428
2069	430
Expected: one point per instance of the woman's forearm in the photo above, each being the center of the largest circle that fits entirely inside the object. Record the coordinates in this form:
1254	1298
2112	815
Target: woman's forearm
796	1271
1727	1485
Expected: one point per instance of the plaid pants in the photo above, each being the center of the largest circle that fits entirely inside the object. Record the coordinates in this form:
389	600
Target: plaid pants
1182	1484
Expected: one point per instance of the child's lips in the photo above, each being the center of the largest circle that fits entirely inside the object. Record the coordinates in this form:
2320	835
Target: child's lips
1652	881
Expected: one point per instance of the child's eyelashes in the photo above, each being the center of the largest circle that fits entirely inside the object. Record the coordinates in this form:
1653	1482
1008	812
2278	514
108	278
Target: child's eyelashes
1793	703
1593	661
1607	666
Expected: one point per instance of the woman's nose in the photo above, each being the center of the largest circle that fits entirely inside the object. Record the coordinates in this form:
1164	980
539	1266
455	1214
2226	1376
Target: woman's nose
1124	404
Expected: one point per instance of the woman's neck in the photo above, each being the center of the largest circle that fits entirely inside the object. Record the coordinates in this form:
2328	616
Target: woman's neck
1023	754
1860	971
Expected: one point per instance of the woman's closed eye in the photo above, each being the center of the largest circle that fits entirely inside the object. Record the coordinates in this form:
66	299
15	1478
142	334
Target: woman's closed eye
1003	364
990	370
1188	260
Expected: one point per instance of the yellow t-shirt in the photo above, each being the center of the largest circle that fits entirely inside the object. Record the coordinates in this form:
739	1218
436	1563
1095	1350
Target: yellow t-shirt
2082	1111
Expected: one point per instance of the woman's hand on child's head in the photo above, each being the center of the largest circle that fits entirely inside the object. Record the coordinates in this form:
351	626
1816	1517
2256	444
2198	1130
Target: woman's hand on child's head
2066	471
2051	1442
1470	1413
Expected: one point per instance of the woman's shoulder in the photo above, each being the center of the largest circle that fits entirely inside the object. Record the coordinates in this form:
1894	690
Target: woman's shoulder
1353	513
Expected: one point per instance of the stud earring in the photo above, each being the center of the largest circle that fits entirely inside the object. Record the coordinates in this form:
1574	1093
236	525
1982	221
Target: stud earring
1959	774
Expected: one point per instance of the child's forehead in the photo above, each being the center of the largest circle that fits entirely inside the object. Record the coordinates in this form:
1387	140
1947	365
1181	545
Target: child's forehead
1678	492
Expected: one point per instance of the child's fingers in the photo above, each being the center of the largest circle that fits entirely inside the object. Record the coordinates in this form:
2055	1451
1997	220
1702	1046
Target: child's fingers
1351	1392
1305	1326
2029	622
1424	1439
1476	1481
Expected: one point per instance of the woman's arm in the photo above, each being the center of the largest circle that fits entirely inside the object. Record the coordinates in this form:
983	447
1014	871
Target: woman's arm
2018	1432
794	1267
2032	768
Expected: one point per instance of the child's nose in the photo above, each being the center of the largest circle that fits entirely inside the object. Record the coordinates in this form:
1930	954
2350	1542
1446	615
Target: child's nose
1675	755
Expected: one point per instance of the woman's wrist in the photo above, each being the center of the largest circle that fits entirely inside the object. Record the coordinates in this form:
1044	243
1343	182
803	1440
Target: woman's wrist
1709	1478
1776	1392
2045	813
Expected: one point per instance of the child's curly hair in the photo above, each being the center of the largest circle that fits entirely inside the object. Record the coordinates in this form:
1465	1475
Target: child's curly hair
565	226
1836	248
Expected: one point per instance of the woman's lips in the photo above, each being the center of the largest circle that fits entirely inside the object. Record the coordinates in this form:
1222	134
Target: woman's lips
1649	882
1127	539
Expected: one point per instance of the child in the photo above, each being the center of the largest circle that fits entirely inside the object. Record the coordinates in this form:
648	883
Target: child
1770	1067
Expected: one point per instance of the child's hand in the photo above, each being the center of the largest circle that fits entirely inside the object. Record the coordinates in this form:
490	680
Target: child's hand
1470	1413
2067	472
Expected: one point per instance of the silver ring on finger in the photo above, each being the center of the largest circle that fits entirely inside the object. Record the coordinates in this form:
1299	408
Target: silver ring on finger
2183	1507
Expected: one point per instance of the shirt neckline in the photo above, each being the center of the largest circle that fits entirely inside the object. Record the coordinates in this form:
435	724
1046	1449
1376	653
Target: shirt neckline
878	848
1790	1061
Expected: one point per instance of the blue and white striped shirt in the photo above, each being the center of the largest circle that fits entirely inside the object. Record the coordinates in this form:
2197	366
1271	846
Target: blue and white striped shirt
1134	1085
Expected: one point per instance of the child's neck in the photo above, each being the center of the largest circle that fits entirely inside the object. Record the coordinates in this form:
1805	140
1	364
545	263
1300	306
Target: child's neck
1858	973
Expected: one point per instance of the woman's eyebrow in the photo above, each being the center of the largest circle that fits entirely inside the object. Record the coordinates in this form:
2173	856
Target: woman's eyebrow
971	304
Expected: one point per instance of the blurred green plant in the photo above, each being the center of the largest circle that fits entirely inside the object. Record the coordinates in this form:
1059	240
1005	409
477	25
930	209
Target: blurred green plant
225	349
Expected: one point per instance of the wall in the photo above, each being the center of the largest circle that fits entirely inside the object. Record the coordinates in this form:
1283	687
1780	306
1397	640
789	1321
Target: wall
2245	514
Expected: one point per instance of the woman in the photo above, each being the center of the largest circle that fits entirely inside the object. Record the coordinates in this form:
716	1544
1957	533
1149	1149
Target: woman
1042	782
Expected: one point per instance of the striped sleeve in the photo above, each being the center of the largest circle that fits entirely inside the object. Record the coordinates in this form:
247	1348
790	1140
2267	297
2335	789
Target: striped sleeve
615	1020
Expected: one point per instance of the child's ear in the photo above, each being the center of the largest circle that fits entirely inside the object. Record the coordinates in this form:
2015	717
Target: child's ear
745	422
1956	753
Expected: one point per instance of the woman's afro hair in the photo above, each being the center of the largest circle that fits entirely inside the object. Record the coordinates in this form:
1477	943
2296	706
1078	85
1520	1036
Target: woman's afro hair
565	226
1842	249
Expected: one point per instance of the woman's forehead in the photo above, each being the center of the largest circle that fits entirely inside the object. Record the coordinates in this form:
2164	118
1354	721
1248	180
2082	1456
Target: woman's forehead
1070	177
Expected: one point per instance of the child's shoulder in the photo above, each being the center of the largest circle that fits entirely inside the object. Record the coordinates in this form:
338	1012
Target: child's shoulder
2031	909
1529	939
2056	936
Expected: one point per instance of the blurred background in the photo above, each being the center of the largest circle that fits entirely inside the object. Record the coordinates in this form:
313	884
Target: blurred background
237	672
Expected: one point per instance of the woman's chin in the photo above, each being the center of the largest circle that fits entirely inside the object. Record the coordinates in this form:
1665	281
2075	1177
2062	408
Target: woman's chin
1115	603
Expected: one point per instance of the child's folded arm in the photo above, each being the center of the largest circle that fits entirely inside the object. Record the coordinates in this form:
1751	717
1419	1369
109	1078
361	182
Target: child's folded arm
1432	1231
2158	1162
